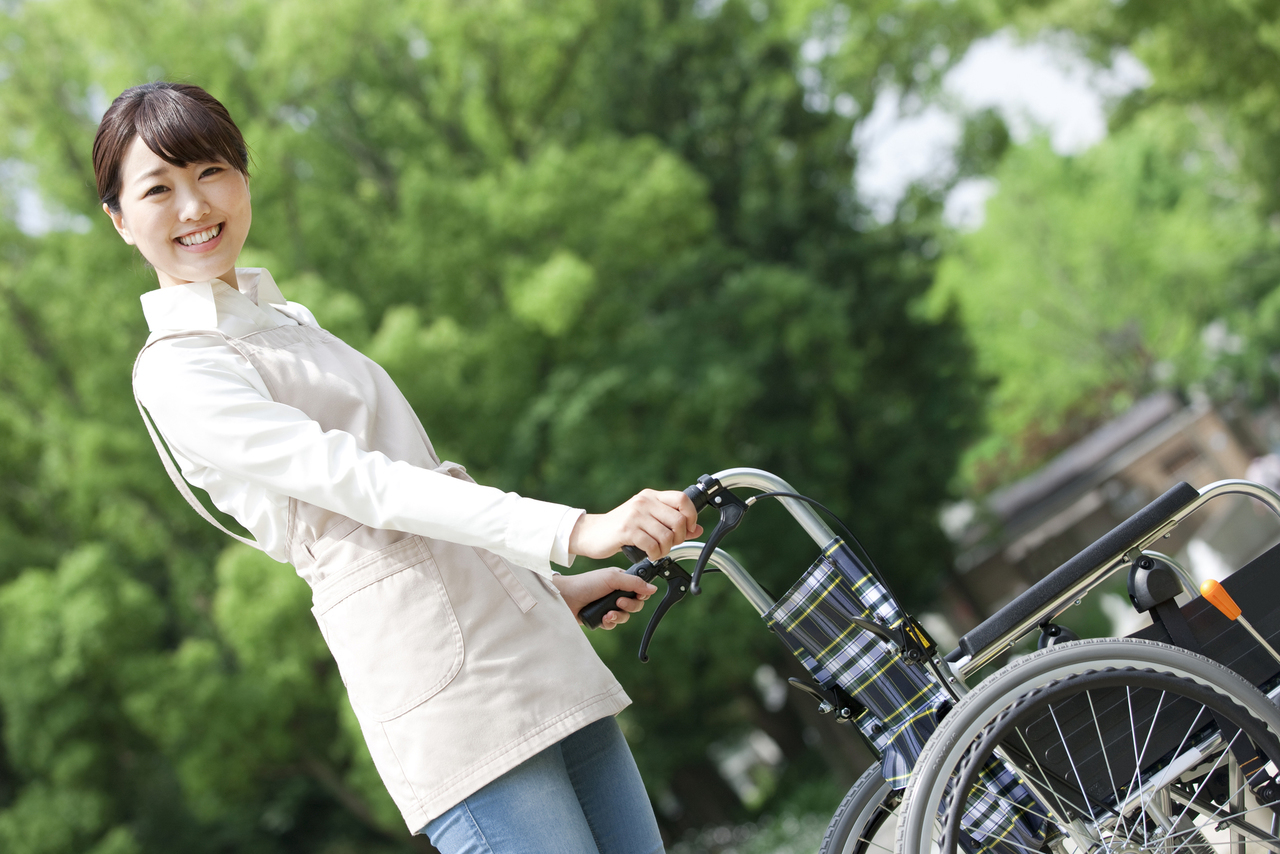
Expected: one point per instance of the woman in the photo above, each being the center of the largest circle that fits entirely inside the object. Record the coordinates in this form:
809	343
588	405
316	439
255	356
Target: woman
488	715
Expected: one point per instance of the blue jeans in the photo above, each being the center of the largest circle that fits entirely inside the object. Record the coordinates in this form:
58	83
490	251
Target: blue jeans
581	796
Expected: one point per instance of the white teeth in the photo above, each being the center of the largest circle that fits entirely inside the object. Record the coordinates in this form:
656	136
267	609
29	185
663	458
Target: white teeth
201	236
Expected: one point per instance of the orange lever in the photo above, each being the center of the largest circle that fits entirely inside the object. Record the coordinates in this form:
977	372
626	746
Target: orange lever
1219	598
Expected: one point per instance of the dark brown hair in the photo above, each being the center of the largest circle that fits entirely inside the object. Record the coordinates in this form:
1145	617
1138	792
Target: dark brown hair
180	122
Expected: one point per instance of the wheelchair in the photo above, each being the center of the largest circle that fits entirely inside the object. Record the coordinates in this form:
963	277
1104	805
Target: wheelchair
1164	741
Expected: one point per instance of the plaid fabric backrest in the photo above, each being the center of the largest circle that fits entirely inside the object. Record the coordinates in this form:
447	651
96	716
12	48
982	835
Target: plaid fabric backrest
813	620
901	700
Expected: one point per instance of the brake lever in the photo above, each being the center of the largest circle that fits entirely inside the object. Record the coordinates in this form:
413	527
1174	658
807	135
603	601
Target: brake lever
732	509
678	584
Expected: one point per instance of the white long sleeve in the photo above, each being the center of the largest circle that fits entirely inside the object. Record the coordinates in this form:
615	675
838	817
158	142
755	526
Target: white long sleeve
252	453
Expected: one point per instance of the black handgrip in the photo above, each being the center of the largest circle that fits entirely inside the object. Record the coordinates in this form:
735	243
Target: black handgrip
592	614
634	554
698	495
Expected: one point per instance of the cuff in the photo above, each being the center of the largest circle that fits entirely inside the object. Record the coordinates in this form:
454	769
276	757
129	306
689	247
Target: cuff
532	534
560	547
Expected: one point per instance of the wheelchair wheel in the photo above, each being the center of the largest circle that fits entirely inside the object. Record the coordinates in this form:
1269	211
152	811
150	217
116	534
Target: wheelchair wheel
866	822
1111	746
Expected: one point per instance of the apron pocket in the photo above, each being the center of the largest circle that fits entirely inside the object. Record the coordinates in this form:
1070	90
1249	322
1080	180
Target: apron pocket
334	535
518	592
391	629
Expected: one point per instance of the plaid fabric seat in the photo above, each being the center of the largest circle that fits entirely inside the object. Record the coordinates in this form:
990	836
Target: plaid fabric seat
901	701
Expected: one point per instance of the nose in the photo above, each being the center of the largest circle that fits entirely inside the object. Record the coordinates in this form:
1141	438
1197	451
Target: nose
192	204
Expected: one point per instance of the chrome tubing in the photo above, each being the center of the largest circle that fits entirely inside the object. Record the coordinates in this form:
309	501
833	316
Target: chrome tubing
1189	582
768	482
1195	755
966	667
1229	487
722	561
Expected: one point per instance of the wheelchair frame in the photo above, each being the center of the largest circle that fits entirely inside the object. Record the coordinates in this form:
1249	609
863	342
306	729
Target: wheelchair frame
1118	550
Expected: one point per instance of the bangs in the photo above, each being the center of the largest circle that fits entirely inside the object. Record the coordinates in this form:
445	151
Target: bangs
181	131
181	123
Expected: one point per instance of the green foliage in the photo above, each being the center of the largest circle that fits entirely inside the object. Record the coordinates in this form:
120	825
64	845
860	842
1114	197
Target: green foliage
1092	277
1239	354
1216	54
600	245
1218	61
64	636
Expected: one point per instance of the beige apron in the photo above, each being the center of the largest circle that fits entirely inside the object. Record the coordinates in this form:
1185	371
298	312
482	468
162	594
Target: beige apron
458	664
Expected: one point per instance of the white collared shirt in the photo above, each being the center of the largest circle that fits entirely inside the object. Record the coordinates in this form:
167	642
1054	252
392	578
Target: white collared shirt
251	454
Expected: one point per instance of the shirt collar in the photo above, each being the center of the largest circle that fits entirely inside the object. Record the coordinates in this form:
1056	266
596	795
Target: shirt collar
192	305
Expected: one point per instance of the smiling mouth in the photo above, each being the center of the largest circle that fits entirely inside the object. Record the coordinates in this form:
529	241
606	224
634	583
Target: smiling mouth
201	236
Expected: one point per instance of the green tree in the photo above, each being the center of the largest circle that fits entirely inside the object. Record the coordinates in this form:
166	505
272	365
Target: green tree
601	246
1092	277
1210	121
1200	52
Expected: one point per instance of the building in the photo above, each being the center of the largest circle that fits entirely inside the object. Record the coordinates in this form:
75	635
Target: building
1021	532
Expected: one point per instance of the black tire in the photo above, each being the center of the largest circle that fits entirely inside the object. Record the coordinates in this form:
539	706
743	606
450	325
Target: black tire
1151	701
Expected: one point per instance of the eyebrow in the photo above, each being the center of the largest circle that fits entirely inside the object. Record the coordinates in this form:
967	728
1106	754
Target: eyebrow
147	176
162	170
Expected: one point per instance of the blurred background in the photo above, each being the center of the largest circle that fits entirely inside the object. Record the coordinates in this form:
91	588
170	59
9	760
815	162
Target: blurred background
983	276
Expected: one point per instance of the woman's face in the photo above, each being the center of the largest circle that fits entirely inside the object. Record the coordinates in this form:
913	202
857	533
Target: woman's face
189	221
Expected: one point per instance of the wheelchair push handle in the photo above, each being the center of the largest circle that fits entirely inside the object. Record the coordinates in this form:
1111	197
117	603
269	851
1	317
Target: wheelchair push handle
593	614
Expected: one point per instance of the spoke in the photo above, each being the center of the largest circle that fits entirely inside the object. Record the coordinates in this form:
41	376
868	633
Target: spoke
1144	805
1074	770
1043	780
1189	837
1236	818
1236	799
1137	765
1185	837
1102	745
999	798
1165	806
1017	846
870	844
875	824
1226	752
1150	731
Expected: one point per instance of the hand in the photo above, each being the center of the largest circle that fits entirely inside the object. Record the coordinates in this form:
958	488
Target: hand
583	589
651	521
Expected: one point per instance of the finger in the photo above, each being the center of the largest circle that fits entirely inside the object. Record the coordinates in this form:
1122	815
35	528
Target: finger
690	513
687	517
651	543
614	618
662	535
670	512
633	583
631	606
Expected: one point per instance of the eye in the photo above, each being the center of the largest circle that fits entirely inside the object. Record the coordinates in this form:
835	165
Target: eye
212	170
155	191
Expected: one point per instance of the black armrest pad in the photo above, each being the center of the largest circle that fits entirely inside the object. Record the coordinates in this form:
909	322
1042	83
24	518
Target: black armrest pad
1107	549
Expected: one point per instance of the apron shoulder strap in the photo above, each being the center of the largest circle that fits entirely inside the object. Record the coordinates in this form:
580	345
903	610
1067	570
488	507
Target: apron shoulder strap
166	456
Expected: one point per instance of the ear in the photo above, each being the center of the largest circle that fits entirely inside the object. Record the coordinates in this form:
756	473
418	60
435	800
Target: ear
117	219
